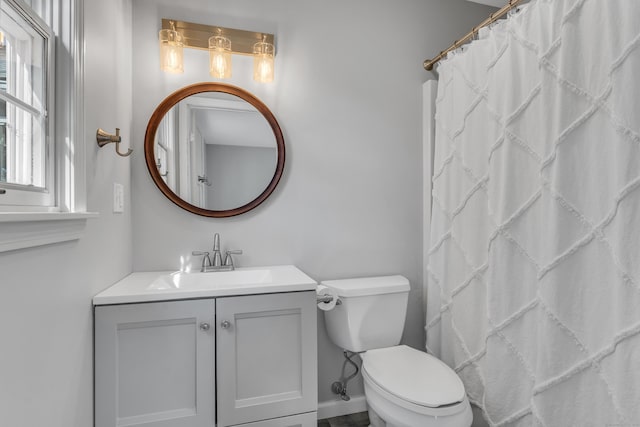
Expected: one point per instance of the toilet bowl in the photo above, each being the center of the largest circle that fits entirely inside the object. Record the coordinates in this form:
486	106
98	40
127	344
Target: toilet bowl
404	387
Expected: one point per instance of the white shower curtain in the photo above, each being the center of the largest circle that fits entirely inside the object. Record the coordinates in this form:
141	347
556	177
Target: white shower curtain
534	266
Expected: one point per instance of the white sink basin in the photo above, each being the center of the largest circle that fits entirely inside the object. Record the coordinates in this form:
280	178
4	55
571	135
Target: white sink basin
213	280
167	285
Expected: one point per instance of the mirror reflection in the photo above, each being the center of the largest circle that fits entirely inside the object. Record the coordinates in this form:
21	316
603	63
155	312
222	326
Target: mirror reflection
215	151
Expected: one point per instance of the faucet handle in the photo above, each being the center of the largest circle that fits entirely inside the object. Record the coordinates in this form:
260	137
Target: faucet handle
206	260
228	260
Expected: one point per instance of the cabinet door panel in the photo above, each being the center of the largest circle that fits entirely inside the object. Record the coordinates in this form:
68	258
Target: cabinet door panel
266	363
153	364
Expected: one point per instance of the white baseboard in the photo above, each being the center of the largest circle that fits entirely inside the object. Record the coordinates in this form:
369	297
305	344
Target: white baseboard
338	407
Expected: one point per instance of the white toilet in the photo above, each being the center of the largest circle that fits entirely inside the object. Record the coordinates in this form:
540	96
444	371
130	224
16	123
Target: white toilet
404	387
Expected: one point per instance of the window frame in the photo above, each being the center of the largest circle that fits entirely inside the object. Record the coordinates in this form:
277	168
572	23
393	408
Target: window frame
27	198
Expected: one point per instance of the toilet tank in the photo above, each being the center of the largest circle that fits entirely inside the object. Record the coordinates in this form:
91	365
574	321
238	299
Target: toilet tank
371	314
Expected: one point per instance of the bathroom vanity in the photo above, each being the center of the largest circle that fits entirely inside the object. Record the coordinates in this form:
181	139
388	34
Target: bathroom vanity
207	349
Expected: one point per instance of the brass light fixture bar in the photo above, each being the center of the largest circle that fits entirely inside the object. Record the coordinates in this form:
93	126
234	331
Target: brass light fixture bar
196	36
429	63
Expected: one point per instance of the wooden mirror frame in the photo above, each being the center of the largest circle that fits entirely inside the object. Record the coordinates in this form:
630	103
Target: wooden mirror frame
173	99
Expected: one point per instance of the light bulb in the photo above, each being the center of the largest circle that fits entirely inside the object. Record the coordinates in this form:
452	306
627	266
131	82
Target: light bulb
263	67
171	53
263	72
220	57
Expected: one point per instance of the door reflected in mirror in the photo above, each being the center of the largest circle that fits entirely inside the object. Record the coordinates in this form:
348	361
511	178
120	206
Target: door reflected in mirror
214	152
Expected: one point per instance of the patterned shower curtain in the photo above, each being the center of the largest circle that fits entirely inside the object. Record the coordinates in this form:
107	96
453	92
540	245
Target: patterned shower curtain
533	292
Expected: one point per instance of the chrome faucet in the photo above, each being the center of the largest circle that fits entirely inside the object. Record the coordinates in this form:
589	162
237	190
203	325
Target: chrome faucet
214	262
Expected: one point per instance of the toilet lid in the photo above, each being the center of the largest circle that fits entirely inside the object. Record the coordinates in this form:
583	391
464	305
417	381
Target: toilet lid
413	376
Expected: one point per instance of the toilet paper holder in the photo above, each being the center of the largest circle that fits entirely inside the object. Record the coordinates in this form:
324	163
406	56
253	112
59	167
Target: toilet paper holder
326	299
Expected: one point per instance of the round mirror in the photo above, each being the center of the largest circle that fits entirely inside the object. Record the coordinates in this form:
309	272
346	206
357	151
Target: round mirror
214	149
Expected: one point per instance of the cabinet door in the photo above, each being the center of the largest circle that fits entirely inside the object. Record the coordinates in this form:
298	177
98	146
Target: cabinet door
267	358
154	364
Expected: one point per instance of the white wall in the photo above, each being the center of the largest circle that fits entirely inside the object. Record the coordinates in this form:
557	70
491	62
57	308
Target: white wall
46	329
348	98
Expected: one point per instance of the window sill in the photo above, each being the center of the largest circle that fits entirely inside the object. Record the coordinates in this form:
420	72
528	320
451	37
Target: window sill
31	229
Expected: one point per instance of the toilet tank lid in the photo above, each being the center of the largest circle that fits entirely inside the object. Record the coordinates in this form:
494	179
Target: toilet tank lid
364	286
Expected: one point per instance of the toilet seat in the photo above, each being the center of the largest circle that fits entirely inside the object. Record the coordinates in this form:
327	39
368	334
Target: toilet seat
413	379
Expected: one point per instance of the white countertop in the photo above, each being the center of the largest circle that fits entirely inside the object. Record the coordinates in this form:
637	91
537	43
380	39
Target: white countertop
171	285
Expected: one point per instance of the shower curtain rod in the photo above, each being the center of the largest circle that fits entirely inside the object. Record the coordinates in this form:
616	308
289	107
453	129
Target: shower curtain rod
429	63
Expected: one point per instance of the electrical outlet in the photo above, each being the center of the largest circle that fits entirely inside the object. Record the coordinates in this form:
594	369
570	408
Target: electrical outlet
118	198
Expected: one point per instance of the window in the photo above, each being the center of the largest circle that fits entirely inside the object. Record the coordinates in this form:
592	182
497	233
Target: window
42	173
27	154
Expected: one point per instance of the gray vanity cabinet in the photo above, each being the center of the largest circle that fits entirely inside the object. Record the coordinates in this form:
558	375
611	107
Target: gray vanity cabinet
169	364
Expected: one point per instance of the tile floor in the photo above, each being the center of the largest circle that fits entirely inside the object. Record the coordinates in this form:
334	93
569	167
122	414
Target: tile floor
360	419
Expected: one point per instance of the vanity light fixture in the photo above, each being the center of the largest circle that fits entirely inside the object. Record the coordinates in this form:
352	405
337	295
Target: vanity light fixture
171	53
221	42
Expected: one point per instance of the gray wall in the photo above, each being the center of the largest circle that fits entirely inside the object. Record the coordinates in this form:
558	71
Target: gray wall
46	327
348	98
238	174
